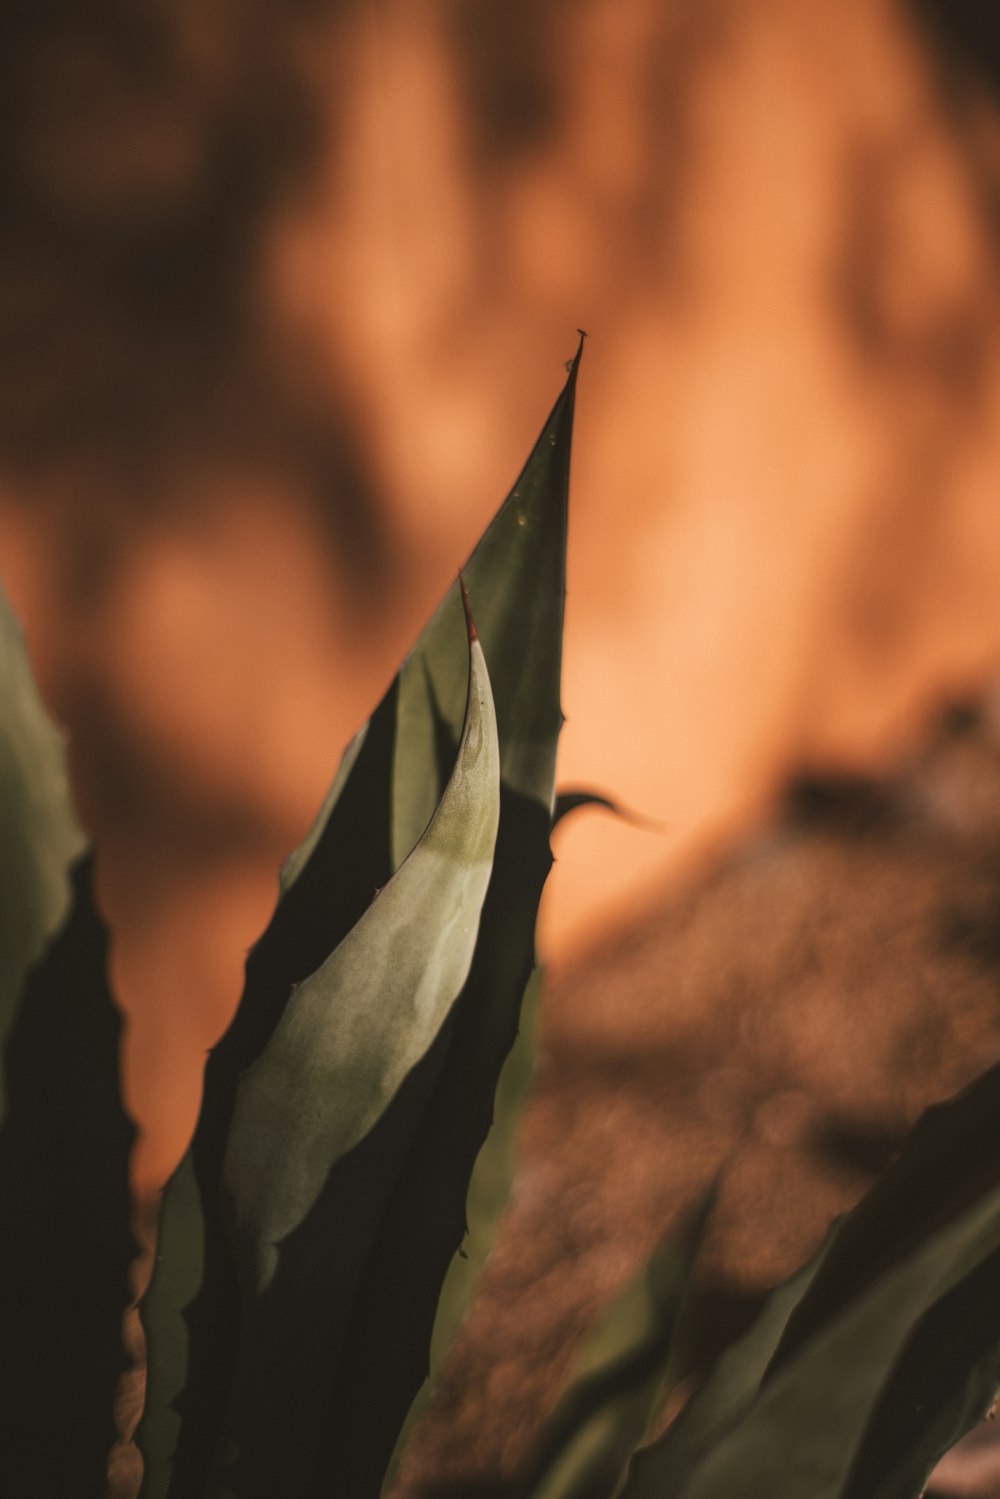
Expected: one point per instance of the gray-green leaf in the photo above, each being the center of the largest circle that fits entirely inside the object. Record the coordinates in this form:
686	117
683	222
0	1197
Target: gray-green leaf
345	1046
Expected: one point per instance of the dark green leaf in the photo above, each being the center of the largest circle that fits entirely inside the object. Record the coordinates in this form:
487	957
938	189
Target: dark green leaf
65	1235
492	1177
489	1190
191	1312
516	581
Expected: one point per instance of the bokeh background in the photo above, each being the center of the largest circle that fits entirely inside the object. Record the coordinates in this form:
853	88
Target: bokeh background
285	295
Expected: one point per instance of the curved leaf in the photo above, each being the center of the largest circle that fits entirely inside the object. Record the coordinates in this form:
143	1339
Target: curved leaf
573	800
489	1189
568	802
516	579
492	1177
190	1313
350	1037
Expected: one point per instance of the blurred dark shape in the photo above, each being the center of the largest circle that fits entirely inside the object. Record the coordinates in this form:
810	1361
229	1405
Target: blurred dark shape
855	803
970	29
509	68
144	154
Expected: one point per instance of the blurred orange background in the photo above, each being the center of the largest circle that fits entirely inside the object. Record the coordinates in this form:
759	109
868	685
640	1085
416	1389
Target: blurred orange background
286	296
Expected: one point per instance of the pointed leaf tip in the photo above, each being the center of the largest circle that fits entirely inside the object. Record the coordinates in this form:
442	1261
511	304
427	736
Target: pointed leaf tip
572	365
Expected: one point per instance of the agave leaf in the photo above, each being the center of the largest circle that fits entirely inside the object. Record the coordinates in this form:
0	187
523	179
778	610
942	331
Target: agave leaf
489	1190
947	1374
620	1378
190	1313
516	580
39	834
661	1467
65	1235
335	1092
921	1249
492	1178
392	781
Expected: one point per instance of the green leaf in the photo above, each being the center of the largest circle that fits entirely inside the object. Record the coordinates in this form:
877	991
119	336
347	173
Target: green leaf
489	1190
191	1312
492	1177
390	783
516	579
65	1232
620	1378
343	1057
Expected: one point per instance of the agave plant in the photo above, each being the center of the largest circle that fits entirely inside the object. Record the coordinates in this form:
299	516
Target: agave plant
320	1240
